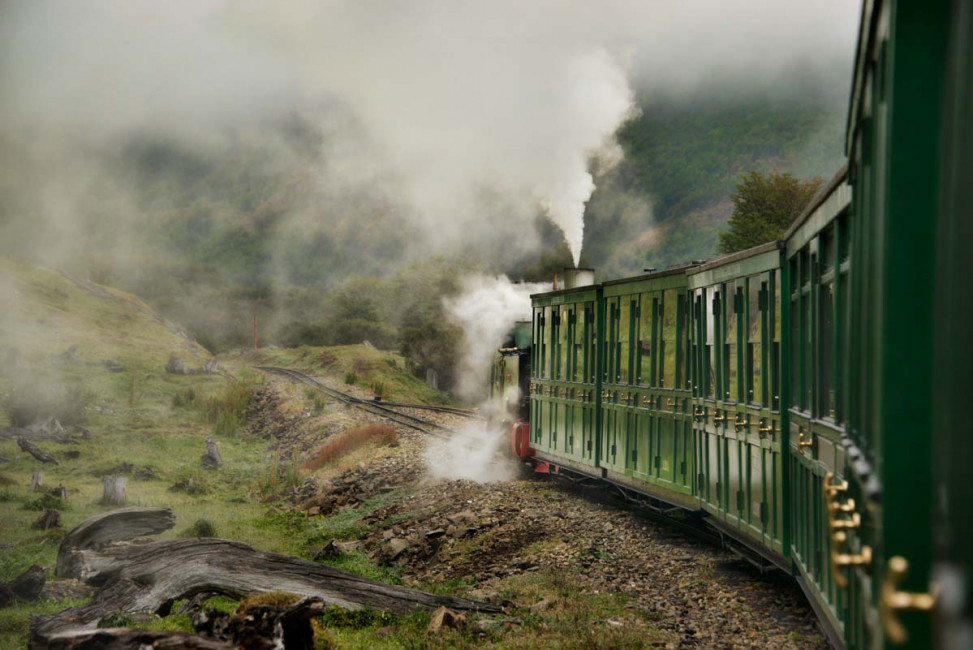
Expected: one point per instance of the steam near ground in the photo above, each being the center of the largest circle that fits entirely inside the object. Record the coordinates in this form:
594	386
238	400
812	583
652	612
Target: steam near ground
486	310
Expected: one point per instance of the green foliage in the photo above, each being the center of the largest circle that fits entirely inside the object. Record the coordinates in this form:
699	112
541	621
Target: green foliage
184	397
763	208
200	528
339	617
45	501
227	410
351	378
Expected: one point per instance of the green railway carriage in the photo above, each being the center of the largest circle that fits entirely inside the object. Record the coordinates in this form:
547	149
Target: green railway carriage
645	420
738	429
807	397
817	305
564	377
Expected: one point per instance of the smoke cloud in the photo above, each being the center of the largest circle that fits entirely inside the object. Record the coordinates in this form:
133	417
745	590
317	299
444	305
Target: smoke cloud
459	121
486	310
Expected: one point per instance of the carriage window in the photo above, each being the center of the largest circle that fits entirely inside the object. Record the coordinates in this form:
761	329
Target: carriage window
667	345
730	355
755	292
624	339
795	339
645	340
563	332
711	316
774	356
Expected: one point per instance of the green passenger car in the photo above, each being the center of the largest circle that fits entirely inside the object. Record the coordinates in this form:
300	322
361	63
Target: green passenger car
736	362
646	426
809	397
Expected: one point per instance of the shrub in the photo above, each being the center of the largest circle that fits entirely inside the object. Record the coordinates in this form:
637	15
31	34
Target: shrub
351	378
201	528
228	409
347	441
184	397
34	399
281	475
379	388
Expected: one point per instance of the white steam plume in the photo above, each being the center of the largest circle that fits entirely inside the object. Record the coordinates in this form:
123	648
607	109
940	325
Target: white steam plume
486	309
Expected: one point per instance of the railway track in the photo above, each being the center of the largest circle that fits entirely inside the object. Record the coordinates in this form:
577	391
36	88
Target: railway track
385	410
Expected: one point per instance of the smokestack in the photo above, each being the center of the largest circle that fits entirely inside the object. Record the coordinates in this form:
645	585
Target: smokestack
574	278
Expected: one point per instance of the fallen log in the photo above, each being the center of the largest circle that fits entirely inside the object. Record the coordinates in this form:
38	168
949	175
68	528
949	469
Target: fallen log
126	639
149	576
34	451
115	526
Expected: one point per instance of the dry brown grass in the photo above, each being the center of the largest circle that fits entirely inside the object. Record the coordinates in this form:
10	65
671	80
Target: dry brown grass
343	443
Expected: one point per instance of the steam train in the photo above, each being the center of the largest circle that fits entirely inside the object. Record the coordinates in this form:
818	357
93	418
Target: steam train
806	397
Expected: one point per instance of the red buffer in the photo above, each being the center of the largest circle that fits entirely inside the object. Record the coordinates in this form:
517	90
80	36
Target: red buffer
520	439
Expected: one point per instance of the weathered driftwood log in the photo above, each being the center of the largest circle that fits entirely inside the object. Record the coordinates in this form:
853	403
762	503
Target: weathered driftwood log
149	576
114	526
32	449
36	480
113	492
212	459
126	639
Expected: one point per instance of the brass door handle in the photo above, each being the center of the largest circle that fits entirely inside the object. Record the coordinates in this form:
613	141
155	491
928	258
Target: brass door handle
842	560
670	402
802	443
718	418
832	489
894	601
646	401
604	394
767	429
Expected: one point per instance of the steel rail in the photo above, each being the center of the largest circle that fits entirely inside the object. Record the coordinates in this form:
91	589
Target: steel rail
411	421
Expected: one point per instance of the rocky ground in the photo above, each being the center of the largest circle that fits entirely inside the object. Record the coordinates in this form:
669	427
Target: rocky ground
481	539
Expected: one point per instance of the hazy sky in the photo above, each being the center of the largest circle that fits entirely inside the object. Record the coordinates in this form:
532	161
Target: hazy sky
434	103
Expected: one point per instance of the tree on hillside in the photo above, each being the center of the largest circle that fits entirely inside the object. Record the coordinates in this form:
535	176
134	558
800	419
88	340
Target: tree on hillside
764	207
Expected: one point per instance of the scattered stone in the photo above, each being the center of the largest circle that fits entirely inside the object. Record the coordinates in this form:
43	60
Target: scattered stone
112	366
327	552
68	357
48	428
396	547
211	367
144	473
444	617
176	366
86	434
72	454
461	517
541	606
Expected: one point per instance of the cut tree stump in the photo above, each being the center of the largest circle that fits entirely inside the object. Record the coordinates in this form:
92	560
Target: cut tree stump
149	576
33	450
113	493
49	519
211	459
36	480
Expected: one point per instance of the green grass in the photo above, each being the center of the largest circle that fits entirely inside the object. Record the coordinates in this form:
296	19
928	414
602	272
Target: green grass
377	370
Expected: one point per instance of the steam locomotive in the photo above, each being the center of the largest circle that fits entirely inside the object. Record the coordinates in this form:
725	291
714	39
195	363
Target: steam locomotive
805	397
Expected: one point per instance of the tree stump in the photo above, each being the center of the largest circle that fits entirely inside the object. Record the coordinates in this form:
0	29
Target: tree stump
50	518
60	492
114	490
211	459
36	480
